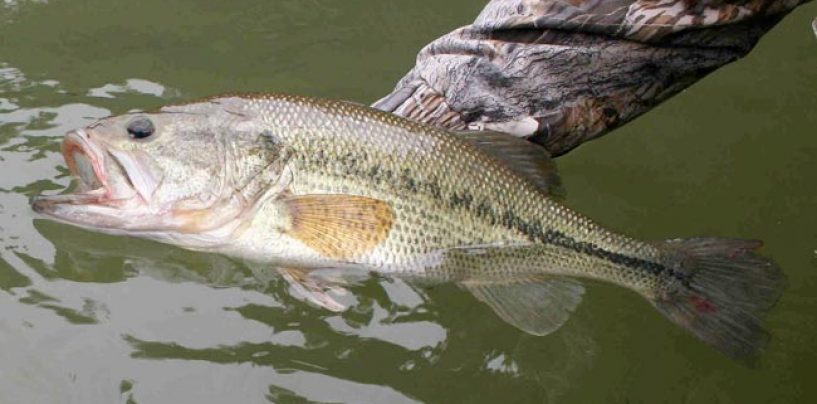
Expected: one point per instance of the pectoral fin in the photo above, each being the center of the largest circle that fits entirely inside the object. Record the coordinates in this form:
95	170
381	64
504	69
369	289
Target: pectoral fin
538	307
339	226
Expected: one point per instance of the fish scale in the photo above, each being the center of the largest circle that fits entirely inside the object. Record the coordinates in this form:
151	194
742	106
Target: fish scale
441	167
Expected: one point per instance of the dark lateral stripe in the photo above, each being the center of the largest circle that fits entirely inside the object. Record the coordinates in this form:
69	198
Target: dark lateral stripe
560	239
483	208
553	237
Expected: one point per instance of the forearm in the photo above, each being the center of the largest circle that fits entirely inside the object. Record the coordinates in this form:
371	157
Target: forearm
561	74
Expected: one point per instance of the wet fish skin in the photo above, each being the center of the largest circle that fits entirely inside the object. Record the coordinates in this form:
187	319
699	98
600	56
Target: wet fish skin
311	183
444	192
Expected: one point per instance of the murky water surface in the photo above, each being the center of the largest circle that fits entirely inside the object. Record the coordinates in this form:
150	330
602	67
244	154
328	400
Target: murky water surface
88	318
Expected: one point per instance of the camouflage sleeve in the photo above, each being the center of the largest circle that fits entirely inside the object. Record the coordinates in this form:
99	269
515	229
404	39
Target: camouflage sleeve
562	72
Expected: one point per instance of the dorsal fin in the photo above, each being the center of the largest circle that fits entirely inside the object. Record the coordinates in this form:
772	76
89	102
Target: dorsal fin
526	158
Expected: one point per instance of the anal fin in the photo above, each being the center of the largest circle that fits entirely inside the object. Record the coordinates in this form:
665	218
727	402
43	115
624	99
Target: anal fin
538	307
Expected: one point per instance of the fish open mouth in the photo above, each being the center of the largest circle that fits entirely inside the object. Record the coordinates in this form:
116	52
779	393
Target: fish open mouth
86	163
102	180
83	162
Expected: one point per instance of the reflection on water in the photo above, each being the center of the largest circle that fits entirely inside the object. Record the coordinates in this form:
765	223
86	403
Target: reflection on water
132	86
87	318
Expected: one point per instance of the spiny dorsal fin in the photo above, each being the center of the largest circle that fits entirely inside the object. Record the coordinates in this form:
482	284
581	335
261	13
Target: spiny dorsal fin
526	158
339	226
538	307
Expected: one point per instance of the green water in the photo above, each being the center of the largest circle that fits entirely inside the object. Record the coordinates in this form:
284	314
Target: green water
87	318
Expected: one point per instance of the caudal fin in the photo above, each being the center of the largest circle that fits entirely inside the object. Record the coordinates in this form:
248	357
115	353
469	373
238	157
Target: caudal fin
722	291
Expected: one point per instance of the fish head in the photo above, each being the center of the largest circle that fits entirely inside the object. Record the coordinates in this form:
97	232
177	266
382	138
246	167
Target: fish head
173	176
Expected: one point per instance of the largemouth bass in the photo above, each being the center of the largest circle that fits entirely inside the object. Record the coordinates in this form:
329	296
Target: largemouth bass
304	183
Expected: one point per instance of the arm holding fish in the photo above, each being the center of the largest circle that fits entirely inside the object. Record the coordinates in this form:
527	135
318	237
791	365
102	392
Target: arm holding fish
561	73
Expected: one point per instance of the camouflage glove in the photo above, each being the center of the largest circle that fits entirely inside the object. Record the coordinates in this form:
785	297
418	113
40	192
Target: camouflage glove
562	72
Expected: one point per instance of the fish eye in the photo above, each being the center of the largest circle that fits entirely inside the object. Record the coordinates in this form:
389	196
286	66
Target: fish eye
140	128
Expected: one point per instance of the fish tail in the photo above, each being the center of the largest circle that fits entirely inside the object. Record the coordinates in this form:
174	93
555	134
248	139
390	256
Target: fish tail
721	292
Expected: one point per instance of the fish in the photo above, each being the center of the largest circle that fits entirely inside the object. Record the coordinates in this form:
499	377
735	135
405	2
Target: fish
300	185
